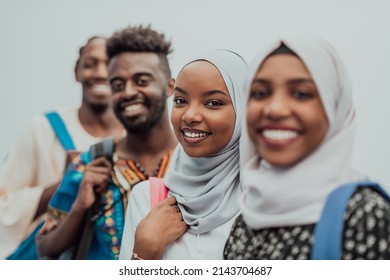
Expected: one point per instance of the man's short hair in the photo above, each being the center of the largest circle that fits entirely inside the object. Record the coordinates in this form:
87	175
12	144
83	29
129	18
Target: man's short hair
140	39
81	50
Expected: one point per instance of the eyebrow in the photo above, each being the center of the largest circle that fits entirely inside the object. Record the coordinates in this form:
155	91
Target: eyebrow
143	74
112	79
137	75
292	82
207	93
94	57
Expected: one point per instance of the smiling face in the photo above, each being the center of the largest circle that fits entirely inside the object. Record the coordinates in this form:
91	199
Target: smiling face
139	87
285	117
91	72
203	115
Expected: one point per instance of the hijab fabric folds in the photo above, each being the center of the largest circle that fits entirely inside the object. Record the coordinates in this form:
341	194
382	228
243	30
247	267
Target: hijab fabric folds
207	189
275	197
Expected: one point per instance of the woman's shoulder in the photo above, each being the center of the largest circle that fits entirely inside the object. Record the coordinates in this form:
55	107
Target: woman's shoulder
367	200
367	226
140	195
141	188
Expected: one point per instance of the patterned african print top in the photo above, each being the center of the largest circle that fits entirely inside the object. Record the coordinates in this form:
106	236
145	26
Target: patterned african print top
366	234
111	215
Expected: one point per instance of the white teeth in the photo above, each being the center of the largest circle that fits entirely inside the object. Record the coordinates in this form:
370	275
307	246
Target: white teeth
280	135
194	135
133	107
102	88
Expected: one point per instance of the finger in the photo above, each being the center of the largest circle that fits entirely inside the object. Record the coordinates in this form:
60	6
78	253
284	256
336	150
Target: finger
183	228
179	216
171	200
96	180
98	170
176	208
101	185
101	161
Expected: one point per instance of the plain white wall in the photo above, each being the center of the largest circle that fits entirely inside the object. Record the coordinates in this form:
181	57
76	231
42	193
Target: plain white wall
40	41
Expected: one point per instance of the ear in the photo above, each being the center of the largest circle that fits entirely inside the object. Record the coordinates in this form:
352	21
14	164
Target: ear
170	86
76	76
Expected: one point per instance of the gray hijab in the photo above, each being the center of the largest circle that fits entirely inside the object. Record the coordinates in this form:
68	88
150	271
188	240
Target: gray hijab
207	189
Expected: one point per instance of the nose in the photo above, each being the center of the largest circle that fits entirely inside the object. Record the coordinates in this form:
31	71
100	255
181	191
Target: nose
130	89
192	115
278	107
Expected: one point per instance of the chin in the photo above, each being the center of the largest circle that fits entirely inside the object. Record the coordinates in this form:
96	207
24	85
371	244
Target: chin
99	107
281	162
194	153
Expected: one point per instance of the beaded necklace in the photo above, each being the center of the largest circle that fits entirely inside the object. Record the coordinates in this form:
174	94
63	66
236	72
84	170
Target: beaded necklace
129	173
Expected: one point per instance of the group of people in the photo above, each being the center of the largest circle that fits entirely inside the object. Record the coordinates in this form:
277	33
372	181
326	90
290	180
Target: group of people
252	163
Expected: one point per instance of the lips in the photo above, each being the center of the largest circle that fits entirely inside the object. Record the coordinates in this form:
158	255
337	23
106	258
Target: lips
278	137
194	136
100	89
132	108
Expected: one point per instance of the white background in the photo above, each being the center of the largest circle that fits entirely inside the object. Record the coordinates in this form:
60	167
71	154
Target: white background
39	42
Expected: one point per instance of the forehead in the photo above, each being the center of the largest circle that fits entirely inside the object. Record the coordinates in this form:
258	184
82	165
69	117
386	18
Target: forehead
129	63
95	48
201	75
283	66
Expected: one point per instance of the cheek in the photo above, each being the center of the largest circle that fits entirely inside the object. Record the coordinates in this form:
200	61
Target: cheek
224	124
176	116
318	124
253	112
84	75
253	117
115	100
230	122
321	129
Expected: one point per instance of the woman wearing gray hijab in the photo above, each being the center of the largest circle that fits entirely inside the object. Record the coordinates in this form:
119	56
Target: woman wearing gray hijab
203	178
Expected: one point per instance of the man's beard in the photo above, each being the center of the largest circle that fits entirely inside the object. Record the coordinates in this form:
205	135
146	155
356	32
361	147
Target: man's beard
142	127
98	109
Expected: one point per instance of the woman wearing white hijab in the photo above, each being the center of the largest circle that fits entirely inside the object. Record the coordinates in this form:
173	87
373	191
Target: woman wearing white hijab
295	150
203	178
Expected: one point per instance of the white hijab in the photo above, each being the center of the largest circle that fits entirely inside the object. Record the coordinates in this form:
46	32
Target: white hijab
207	189
275	197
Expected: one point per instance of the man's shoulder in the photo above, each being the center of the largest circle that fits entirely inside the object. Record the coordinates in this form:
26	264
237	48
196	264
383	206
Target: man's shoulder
42	121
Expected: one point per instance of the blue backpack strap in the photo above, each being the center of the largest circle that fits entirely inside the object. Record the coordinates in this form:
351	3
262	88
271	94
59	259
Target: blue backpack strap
60	130
328	233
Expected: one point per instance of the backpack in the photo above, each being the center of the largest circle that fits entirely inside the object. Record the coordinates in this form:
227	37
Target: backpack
328	232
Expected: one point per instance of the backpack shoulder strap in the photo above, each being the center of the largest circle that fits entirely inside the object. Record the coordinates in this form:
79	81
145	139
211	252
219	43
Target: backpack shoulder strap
158	191
328	232
104	148
60	130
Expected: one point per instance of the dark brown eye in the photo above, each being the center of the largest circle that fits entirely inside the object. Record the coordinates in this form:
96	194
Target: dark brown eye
302	95
179	100
214	103
259	94
117	86
142	82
